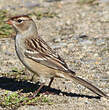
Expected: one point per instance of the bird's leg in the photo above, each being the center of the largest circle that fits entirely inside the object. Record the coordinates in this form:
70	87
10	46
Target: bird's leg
48	88
38	90
41	86
50	82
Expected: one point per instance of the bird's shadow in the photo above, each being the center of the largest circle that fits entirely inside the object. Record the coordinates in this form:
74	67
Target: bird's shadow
26	87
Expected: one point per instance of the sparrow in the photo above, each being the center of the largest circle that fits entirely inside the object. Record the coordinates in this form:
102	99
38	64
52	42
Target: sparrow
39	58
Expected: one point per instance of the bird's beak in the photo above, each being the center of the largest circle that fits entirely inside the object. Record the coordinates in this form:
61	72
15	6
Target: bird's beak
9	22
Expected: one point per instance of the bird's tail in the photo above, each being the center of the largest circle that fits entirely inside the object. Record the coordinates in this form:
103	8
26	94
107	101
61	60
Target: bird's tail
89	86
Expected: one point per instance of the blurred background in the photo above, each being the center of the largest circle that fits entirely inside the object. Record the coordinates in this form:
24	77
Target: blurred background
40	9
15	4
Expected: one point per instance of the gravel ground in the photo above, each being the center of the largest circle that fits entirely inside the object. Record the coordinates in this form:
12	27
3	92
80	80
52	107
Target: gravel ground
80	34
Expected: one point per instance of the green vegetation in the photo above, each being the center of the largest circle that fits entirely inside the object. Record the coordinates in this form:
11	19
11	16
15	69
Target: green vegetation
5	29
13	100
48	14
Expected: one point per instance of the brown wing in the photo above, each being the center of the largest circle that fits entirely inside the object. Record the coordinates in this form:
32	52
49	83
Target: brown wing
39	51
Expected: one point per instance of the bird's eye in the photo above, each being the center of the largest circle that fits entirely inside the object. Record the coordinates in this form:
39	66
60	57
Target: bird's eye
19	21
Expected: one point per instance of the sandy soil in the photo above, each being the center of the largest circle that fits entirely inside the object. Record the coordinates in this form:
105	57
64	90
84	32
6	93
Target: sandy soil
80	34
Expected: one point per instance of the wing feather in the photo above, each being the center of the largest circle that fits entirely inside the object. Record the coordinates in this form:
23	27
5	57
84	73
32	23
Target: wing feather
39	51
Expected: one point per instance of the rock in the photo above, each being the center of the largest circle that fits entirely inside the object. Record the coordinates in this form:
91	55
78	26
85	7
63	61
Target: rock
1	108
57	40
104	0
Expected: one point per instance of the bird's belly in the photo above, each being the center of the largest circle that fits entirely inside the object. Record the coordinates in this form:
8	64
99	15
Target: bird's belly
39	69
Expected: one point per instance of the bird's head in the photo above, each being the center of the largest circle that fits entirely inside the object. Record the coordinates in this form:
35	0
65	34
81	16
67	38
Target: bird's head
22	23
